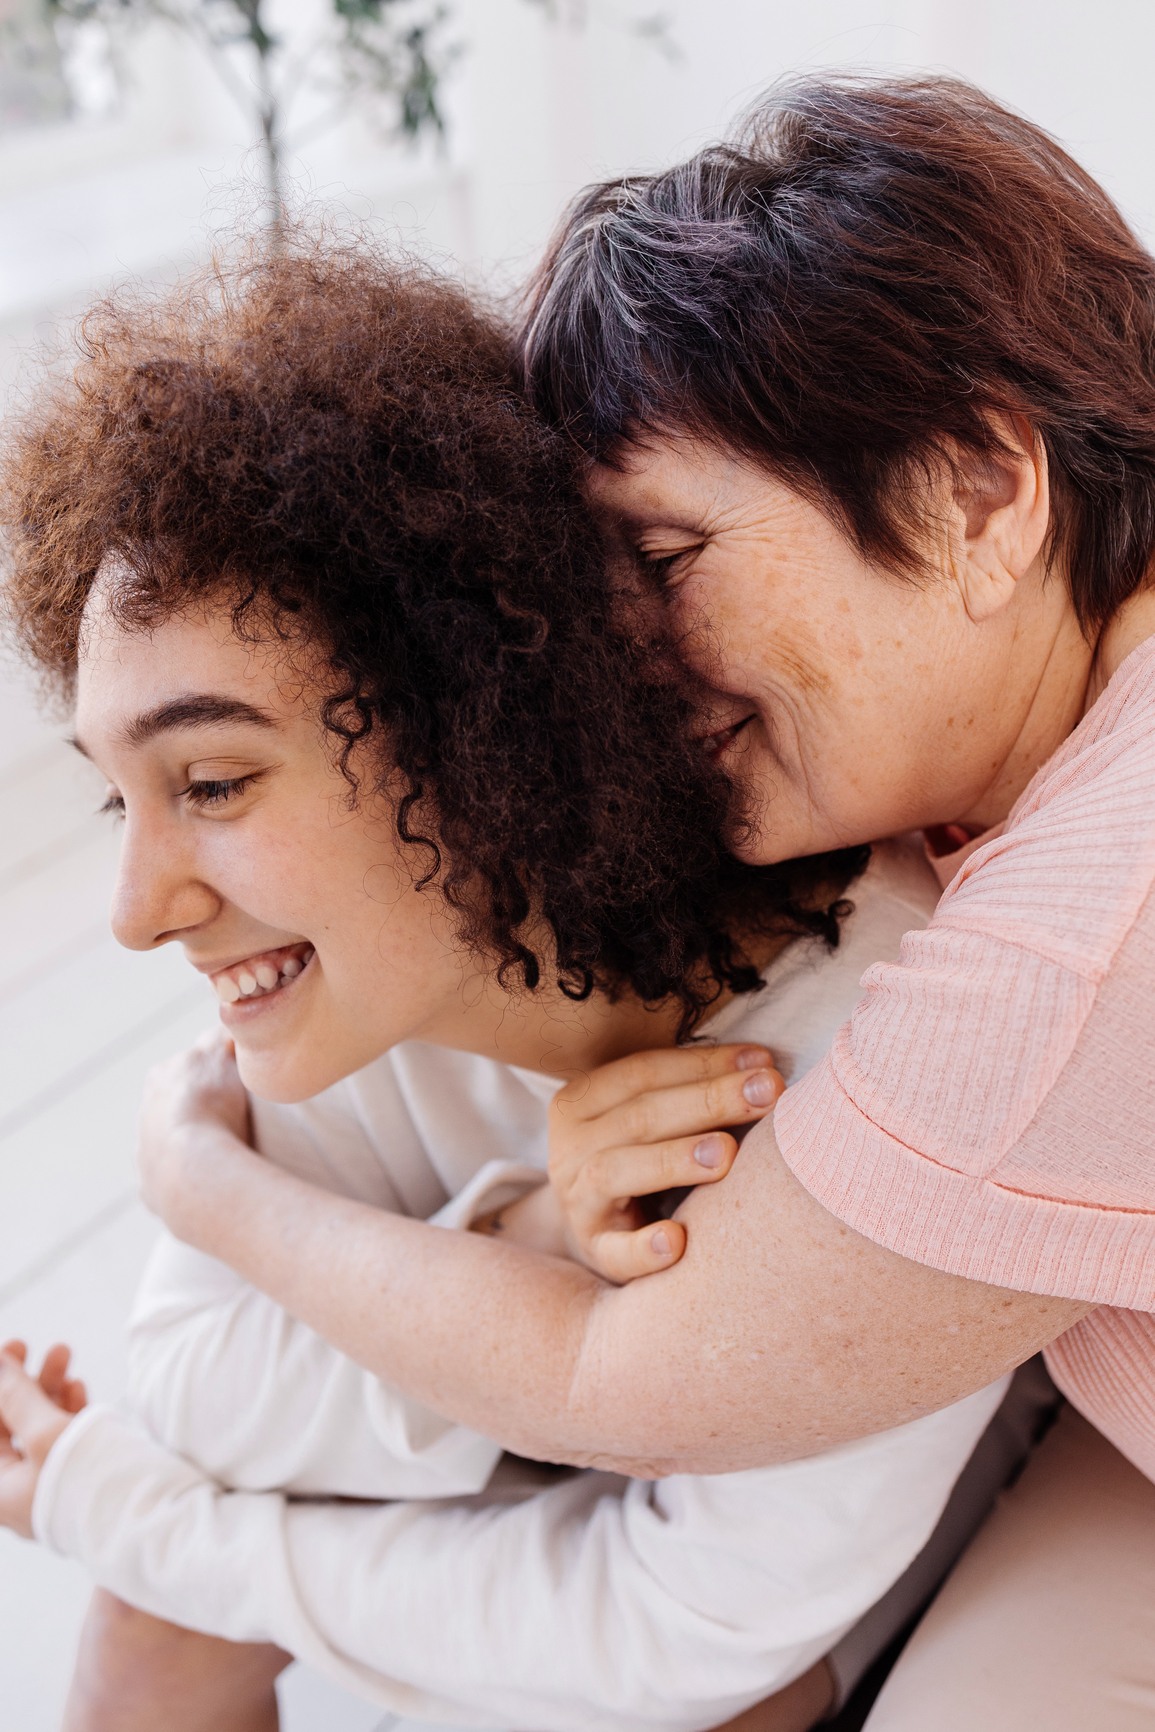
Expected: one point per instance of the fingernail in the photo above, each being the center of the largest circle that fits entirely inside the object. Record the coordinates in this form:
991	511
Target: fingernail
710	1152
759	1090
660	1243
751	1058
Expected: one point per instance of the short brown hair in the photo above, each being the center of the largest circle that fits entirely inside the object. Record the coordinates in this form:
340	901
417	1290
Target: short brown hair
873	269
335	444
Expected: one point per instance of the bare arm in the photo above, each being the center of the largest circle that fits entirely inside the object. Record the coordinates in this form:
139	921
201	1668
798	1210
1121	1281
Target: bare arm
780	1332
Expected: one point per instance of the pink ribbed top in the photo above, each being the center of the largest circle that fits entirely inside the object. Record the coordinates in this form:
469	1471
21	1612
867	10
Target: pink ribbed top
990	1107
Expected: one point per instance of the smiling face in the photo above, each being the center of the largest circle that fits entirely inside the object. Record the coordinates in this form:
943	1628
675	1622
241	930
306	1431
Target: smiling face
849	703
241	843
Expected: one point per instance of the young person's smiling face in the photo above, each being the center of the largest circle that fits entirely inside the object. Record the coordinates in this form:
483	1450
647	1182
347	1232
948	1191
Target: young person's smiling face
242	843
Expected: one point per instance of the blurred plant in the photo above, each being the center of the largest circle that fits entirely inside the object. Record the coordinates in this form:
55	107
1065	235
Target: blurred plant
656	28
396	50
387	48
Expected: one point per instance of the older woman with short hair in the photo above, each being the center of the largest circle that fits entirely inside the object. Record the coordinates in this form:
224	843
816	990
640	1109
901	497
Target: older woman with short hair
870	400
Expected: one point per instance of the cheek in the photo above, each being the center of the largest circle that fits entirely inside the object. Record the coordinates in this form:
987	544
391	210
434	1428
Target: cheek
281	870
733	619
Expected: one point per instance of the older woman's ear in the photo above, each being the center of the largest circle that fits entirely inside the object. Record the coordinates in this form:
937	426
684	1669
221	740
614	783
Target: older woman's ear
998	521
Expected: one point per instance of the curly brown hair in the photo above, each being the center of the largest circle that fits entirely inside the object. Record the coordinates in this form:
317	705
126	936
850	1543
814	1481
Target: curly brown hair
334	444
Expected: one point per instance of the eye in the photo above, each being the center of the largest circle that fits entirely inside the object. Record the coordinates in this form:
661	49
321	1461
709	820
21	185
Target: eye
114	805
215	793
662	570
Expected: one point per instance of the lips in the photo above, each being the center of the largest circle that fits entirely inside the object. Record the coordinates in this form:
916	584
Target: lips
262	974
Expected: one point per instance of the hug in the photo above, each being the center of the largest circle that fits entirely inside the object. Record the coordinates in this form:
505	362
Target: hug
662	799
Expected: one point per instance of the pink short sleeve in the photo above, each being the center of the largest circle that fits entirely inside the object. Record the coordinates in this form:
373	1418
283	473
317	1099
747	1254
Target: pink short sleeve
990	1108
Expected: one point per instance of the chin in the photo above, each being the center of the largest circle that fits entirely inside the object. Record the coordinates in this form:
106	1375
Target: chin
285	1076
756	844
757	840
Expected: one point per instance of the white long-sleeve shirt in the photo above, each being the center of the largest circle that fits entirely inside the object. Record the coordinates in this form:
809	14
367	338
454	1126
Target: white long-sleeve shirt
595	1602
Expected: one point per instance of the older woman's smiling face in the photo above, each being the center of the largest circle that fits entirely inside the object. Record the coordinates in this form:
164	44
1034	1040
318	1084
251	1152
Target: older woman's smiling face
847	702
242	844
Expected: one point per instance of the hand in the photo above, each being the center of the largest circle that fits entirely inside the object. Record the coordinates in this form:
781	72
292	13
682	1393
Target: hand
193	1091
32	1416
648	1123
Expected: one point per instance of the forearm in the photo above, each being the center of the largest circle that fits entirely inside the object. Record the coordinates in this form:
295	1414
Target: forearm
779	1334
453	1319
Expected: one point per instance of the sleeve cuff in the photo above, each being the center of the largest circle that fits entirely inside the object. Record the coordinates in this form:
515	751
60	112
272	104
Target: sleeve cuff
62	1505
493	1187
958	1222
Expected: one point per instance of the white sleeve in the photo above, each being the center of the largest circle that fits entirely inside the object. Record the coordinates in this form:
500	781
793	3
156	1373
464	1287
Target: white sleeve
599	1605
221	1374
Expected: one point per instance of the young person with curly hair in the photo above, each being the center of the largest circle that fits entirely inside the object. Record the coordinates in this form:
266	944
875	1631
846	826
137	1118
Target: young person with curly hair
418	803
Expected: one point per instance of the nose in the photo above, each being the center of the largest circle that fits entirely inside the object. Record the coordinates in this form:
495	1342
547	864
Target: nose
158	895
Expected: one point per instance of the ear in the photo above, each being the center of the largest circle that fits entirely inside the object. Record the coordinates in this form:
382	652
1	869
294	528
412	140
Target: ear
1002	508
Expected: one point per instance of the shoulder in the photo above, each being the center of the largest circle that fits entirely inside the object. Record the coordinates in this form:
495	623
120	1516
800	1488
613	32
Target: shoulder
1076	861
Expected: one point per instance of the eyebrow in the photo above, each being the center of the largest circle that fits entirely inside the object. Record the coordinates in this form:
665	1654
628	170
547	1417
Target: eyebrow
198	710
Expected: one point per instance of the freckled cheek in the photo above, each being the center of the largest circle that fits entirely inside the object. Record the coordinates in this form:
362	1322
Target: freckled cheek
728	646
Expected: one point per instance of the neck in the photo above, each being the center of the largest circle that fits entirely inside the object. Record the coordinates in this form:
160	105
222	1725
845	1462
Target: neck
1124	631
546	1031
1072	676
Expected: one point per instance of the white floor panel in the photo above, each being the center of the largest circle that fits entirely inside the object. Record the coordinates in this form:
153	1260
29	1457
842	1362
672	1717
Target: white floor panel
310	1703
64	1169
70	1018
84	1300
59	914
55	793
42	1601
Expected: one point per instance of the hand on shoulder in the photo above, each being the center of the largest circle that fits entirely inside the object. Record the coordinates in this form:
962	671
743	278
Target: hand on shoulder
651	1123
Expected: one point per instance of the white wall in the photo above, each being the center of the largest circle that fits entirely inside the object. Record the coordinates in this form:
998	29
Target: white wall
536	110
610	104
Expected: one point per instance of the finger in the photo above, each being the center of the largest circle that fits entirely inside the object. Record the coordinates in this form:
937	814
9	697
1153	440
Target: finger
24	1407
737	1098
15	1350
53	1372
601	1090
623	1257
641	1170
74	1396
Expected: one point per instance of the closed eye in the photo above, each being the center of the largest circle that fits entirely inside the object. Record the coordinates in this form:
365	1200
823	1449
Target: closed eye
662	569
204	794
215	793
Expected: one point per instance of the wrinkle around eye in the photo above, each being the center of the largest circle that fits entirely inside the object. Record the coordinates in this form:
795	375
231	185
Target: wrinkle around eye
659	567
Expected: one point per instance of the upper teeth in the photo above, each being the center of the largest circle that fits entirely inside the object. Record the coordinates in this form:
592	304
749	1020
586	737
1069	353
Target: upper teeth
261	977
